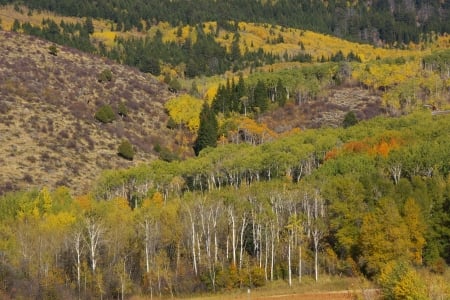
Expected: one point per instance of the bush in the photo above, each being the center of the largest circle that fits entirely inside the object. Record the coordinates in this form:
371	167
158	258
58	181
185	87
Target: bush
105	75
105	114
126	150
349	119
122	110
53	50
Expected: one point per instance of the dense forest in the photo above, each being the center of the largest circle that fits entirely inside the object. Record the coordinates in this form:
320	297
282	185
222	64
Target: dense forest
372	199
367	197
387	21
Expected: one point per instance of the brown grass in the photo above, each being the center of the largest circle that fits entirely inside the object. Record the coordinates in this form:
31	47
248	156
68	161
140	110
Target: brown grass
338	288
47	115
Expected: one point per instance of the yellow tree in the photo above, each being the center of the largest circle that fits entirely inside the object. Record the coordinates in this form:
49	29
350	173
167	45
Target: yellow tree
384	237
416	230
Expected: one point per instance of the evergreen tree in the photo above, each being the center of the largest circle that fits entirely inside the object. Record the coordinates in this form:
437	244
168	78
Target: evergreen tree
350	119
281	95
260	98
207	132
89	25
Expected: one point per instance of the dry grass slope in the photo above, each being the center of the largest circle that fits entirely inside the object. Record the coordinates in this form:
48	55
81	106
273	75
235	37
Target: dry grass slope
48	133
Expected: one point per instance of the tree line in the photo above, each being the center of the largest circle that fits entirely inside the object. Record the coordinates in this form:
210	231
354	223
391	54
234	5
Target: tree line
204	57
369	200
393	23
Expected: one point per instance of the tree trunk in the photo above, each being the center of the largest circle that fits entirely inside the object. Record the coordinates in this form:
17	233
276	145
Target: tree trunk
289	262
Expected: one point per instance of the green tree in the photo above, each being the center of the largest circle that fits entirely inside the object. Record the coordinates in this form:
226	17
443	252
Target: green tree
207	132
16	26
349	119
105	114
89	25
53	50
260	98
347	208
126	150
281	95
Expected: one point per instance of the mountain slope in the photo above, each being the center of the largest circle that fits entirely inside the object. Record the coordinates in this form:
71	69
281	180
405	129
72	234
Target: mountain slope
48	133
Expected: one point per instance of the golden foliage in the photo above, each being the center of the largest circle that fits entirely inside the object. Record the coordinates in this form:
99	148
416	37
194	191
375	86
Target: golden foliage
252	131
85	202
185	110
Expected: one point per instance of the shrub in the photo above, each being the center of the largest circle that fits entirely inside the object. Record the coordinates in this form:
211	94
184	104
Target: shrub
126	150
53	50
122	110
105	75
105	114
349	119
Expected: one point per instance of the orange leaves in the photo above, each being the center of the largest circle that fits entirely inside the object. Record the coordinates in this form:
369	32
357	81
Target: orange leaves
380	147
383	147
84	202
356	147
332	154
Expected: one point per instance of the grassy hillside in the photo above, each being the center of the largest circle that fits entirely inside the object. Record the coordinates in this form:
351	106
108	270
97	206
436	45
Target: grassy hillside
49	135
69	93
272	205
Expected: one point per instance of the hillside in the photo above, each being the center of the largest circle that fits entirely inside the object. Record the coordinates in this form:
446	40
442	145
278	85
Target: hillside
391	22
48	132
288	188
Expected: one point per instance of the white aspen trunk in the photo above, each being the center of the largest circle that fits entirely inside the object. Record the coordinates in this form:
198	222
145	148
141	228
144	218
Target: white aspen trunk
94	231
227	249
242	241
316	254
289	262
266	251
147	250
199	250
233	236
272	250
300	263
216	248
194	259
78	250
260	244
216	242
396	172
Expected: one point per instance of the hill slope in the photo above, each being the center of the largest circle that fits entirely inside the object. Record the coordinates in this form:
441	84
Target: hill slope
48	133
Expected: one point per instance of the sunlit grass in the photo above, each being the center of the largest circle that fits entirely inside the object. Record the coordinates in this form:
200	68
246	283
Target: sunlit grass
281	287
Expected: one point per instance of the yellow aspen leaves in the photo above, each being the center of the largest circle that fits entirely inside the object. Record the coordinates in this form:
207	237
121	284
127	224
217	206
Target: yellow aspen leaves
185	110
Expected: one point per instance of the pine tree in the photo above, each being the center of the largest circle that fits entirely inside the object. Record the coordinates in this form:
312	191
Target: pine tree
260	96
207	132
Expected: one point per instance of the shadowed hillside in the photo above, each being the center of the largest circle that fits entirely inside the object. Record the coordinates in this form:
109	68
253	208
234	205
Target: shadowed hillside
48	132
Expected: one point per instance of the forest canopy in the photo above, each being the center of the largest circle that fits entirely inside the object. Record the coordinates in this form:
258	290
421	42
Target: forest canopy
327	201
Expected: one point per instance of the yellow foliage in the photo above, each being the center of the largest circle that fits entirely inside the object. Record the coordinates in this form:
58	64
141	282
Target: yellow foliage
211	92
60	221
185	110
400	281
257	132
107	37
121	204
44	200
